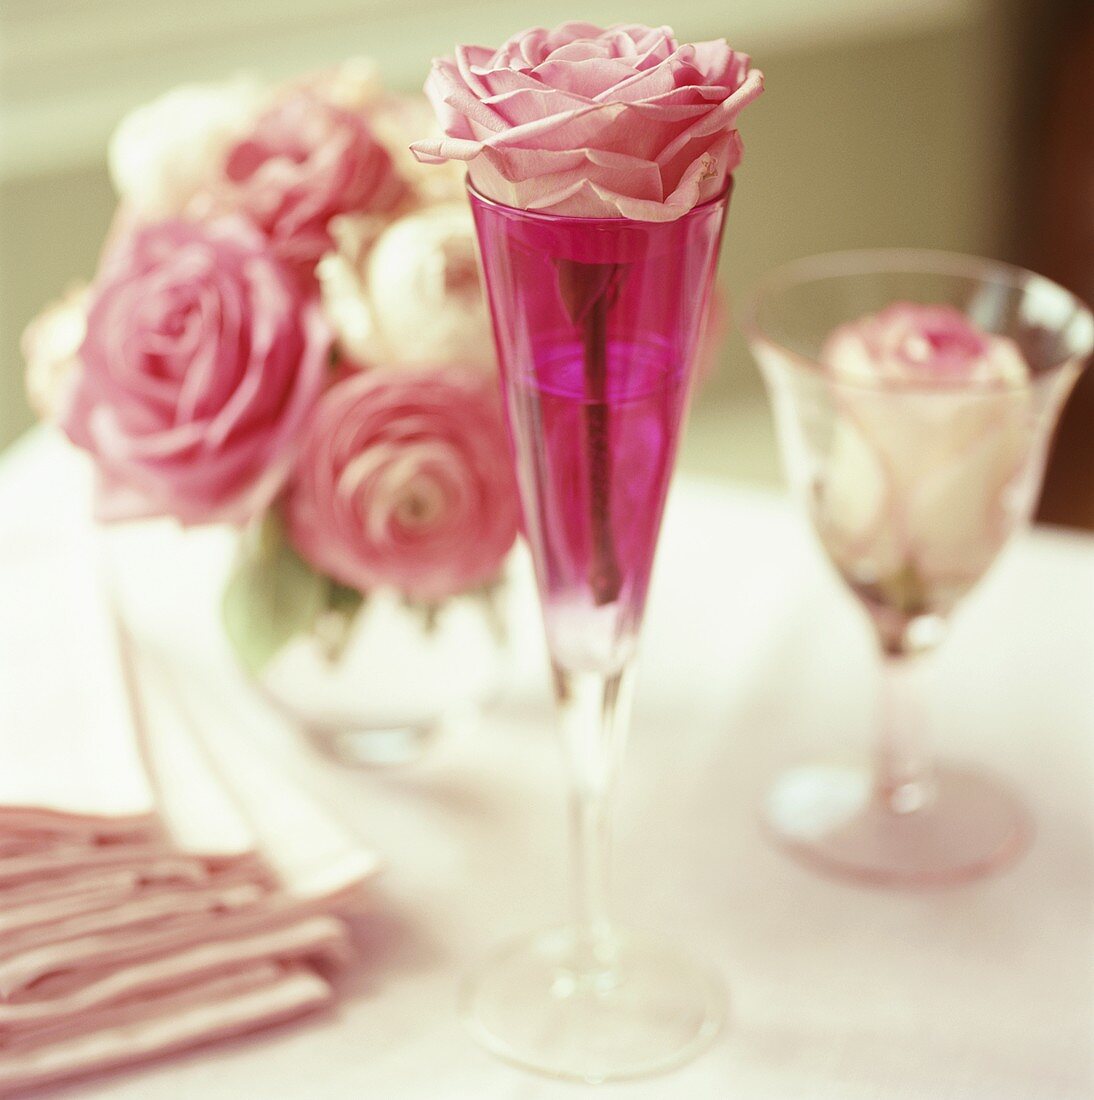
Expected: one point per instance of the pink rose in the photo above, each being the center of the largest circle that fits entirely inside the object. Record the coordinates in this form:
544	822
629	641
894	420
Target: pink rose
200	362
588	122
404	480
305	161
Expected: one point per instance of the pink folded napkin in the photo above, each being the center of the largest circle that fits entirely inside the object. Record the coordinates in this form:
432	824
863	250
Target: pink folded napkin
163	880
216	1008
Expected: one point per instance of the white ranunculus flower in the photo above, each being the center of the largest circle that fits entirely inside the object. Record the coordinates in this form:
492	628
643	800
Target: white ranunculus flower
411	295
932	430
166	151
51	346
343	282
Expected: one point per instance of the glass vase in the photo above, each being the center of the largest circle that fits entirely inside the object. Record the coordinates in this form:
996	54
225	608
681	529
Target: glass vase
597	323
914	487
370	679
379	688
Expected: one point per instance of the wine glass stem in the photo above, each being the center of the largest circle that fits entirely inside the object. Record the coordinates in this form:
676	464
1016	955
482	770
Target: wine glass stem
594	713
904	779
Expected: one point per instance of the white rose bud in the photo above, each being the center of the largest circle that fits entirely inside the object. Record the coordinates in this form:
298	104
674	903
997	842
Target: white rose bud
932	432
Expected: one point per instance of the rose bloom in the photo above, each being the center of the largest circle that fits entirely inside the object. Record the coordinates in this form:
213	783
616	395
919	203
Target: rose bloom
932	436
592	122
403	480
305	161
408	293
201	359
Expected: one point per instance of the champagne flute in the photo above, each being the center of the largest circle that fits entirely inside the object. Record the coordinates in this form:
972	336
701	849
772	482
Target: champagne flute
597	322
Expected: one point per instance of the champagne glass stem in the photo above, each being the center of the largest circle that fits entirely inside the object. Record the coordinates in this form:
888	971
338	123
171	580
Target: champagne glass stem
904	780
594	714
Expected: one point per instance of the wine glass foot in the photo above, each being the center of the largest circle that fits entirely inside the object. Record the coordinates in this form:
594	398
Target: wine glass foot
829	818
646	1010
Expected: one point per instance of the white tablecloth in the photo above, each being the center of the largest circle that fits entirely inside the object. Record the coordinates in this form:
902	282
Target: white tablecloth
753	658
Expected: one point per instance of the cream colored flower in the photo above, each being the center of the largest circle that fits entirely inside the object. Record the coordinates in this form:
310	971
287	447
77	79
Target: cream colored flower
932	431
343	282
51	346
410	294
353	85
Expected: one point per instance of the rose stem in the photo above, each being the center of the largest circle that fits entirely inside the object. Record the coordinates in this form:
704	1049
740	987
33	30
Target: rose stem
604	570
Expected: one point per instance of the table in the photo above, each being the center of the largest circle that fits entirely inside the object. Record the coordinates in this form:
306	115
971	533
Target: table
753	658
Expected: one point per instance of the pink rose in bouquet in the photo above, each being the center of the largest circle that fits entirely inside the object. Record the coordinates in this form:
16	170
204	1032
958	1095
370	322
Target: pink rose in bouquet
200	361
305	161
592	122
403	480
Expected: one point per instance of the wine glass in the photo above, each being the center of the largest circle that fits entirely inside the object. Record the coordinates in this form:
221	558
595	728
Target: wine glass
597	322
914	480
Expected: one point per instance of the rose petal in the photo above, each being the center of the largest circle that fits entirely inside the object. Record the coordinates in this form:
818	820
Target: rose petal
524	106
586	78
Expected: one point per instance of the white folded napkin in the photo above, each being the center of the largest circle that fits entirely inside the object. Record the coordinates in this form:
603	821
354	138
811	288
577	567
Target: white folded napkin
163	881
71	770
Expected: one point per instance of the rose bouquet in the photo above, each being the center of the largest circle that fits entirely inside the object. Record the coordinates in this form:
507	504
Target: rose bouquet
286	333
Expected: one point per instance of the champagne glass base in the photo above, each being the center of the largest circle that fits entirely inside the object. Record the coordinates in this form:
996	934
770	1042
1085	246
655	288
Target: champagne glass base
830	818
647	1009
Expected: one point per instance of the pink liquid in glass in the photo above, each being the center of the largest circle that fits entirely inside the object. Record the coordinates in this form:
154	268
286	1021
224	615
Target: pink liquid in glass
565	500
597	323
